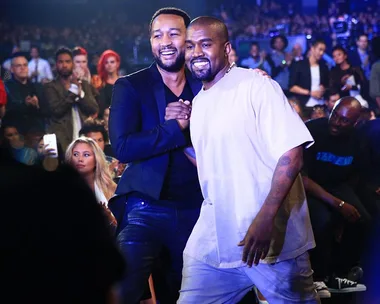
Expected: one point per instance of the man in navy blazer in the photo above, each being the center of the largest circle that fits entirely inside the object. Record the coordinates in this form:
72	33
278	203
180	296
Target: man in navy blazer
158	197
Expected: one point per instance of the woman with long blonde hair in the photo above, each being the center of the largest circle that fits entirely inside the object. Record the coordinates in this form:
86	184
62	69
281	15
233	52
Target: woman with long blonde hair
88	159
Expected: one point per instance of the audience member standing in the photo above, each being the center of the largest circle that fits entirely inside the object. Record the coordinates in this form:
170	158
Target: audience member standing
108	71
39	69
280	61
309	77
360	56
70	100
24	98
349	79
80	59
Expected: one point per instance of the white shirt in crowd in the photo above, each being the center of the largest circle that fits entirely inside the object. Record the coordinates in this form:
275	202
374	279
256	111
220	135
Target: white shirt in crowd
43	68
240	128
315	83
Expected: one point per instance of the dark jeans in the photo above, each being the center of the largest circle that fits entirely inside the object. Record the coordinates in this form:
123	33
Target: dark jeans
329	256
154	228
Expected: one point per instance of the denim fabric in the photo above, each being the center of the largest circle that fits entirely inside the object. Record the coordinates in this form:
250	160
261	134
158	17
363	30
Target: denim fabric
154	227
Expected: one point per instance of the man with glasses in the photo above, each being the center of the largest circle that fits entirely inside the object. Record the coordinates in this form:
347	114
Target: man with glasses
23	107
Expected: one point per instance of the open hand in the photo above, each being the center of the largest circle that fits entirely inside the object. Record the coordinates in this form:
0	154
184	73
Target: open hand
257	240
350	213
262	73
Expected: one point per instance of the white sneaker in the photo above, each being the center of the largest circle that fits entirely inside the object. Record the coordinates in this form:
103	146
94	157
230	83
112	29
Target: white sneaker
322	290
260	298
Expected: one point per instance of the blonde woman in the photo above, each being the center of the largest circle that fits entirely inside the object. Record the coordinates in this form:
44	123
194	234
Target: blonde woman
88	159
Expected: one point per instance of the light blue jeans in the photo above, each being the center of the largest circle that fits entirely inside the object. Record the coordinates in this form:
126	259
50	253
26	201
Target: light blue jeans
285	282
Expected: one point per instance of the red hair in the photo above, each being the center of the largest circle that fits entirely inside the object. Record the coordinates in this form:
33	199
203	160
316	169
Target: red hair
78	50
102	61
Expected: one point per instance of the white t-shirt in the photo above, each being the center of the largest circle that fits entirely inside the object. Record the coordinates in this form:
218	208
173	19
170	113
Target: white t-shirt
315	83
240	128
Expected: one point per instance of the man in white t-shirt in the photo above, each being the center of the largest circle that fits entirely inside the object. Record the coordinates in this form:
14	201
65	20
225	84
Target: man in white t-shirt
248	143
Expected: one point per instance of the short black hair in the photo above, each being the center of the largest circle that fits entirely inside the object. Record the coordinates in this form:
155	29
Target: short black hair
282	37
34	46
339	48
170	11
63	50
255	43
93	125
318	41
219	27
333	91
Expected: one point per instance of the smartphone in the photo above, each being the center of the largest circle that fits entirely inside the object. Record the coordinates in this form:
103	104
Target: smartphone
51	141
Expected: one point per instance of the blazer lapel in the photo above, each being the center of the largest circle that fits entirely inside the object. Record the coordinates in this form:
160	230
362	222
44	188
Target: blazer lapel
159	92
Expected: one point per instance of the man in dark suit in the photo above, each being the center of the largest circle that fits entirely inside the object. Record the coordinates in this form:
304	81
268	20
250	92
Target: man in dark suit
158	197
24	98
309	77
360	57
70	99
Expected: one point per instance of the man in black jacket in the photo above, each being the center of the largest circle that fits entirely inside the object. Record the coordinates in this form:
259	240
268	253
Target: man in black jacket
24	98
309	77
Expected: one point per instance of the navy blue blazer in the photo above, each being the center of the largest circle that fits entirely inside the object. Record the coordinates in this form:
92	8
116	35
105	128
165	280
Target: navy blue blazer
140	135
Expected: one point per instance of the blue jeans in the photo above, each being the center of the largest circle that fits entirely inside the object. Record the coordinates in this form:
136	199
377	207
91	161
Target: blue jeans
154	227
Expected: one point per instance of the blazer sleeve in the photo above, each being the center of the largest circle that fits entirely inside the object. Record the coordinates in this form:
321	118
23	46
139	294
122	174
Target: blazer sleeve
88	104
59	104
325	79
294	75
128	141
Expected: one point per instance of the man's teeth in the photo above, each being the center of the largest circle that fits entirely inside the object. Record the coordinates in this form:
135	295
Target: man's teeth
166	53
200	64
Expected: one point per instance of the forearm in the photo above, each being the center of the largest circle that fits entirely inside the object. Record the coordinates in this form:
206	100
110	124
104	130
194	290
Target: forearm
88	104
59	105
287	169
298	90
316	190
139	145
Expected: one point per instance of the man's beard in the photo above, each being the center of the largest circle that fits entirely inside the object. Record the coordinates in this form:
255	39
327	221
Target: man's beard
64	74
205	75
174	67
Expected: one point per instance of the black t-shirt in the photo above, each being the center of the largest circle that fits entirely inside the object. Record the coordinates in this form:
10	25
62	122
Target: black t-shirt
181	181
332	160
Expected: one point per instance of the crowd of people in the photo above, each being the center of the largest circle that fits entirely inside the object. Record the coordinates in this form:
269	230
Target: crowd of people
214	175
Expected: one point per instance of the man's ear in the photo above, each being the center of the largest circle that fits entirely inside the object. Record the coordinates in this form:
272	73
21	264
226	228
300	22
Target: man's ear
227	48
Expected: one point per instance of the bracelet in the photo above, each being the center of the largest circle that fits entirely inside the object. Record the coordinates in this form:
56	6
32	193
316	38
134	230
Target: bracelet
341	204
